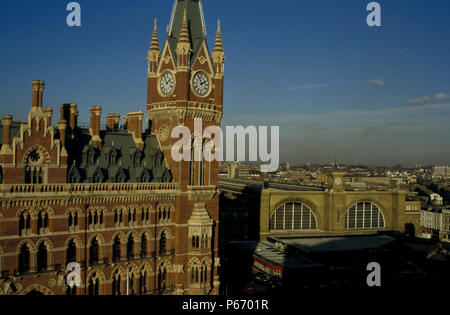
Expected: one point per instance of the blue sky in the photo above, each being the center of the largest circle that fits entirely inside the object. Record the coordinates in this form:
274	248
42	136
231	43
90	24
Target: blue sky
336	87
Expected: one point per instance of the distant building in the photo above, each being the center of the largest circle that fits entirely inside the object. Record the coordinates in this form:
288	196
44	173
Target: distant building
431	223
292	210
441	171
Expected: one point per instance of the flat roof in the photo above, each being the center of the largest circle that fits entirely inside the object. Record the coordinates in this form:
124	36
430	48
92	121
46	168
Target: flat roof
270	253
337	244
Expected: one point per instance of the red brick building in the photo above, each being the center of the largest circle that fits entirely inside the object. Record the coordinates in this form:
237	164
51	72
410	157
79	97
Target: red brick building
112	199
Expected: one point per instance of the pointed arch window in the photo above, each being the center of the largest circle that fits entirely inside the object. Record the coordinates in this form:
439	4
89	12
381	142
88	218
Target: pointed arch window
42	257
94	284
162	278
116	283
144	246
163	243
116	249
143	282
94	252
24	224
71	252
130	248
24	259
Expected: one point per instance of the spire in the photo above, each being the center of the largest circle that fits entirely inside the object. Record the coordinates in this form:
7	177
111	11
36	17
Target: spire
154	52
218	54
219	44
154	46
184	33
184	45
187	23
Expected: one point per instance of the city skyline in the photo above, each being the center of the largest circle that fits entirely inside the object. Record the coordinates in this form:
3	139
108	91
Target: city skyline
374	96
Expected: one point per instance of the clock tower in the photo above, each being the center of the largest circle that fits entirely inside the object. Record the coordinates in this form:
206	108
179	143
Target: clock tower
185	83
336	180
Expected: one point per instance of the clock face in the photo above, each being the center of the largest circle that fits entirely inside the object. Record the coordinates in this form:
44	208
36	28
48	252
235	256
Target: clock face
201	84
167	83
338	181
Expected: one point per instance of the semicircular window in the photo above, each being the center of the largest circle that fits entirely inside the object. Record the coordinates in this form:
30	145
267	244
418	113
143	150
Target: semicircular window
364	215
293	216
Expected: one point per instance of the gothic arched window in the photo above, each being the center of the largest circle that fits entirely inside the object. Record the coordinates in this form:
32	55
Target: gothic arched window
71	252
94	252
42	257
24	259
116	249
130	247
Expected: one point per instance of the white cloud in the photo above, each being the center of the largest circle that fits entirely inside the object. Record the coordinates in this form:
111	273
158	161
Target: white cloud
442	97
377	82
417	101
306	86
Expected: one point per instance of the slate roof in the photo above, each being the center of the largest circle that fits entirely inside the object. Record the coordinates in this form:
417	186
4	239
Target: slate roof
196	25
119	160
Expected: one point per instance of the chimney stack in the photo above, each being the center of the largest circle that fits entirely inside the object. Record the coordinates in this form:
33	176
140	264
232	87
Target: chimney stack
95	113
62	125
49	113
135	127
37	88
69	113
6	122
112	121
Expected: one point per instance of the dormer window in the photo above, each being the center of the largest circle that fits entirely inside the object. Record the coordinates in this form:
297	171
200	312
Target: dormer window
91	158
137	159
113	158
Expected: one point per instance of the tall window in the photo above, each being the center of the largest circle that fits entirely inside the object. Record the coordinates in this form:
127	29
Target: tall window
130	282
71	252
42	222
364	215
24	224
163	243
293	216
144	246
130	247
162	278
116	283
94	252
42	258
94	283
24	259
116	249
143	282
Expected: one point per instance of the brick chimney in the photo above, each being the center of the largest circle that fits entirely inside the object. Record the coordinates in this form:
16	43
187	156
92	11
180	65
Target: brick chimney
37	88
135	127
6	122
95	113
62	126
69	113
48	114
112	121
